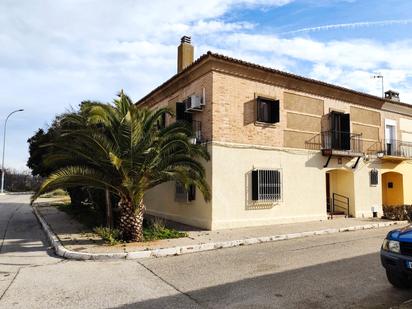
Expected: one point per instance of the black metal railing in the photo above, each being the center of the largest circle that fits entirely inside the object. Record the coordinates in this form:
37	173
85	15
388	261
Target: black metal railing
336	140
397	148
314	143
196	128
373	147
340	202
339	140
197	131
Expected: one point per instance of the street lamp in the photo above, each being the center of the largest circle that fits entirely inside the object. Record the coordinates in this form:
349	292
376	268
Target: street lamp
4	148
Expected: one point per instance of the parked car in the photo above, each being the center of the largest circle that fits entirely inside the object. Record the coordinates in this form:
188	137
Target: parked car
396	257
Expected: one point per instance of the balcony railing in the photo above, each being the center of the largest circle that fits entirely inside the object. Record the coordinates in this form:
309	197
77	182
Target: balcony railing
196	128
337	142
397	148
197	131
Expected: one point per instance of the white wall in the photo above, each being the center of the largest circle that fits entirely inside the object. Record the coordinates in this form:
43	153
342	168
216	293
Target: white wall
304	187
304	196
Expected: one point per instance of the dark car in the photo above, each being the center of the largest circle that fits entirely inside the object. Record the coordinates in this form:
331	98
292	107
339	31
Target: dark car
396	257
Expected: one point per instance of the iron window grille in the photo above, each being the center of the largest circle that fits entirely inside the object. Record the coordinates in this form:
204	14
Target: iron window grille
374	177
184	195
267	185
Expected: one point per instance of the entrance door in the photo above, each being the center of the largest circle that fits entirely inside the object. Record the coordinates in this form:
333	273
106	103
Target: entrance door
328	201
390	139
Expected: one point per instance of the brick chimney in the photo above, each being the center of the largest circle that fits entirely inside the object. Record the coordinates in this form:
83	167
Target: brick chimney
184	53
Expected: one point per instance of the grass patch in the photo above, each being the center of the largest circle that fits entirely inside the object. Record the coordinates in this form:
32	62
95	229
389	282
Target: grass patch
110	236
155	229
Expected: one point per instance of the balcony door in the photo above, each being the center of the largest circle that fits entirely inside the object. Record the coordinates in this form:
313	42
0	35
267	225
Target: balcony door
390	137
340	131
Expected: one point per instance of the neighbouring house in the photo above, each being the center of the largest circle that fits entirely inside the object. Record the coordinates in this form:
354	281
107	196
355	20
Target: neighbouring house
284	148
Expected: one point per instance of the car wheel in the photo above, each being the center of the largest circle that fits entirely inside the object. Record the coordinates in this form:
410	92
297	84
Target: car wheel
398	280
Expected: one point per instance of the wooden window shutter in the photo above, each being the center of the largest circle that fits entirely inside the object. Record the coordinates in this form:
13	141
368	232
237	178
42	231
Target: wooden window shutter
259	110
275	113
255	185
345	128
180	111
191	194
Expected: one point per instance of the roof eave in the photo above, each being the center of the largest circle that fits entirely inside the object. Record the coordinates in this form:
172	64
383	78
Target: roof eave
209	55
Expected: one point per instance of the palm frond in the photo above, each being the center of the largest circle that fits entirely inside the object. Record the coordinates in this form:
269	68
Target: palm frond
72	176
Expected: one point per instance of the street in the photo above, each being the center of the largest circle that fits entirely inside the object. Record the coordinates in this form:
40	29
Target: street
332	271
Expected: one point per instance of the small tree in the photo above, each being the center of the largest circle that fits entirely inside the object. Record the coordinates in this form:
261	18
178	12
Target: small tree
122	149
42	145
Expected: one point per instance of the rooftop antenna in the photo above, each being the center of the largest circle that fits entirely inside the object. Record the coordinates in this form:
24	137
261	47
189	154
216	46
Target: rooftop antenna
379	75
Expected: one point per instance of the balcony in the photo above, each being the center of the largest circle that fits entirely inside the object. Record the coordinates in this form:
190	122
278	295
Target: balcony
197	131
395	150
197	137
341	143
337	143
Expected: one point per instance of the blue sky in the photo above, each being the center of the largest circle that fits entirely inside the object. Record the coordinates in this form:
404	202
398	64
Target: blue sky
54	54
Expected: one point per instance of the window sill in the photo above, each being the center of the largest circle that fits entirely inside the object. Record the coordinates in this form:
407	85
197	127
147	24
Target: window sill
266	124
257	205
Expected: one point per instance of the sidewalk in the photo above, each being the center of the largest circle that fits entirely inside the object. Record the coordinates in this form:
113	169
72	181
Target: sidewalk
78	239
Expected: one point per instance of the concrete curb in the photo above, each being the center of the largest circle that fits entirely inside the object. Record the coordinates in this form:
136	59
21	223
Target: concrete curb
60	250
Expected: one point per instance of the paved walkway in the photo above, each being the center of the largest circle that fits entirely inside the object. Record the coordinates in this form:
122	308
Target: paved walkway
76	237
328	271
32	276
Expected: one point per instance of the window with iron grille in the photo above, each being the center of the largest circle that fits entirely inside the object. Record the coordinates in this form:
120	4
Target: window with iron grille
183	195
267	110
374	177
266	185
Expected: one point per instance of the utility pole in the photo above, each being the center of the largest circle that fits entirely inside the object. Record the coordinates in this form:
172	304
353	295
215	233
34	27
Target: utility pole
379	75
4	149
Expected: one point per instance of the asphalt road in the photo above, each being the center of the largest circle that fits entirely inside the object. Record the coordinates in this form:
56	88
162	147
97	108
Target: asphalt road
332	271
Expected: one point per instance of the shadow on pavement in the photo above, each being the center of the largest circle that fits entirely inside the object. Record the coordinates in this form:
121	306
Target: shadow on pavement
338	284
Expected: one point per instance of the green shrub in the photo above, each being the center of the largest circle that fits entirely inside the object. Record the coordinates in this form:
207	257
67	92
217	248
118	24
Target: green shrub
110	236
155	229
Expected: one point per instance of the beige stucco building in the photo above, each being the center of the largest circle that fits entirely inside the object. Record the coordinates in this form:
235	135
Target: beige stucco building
284	148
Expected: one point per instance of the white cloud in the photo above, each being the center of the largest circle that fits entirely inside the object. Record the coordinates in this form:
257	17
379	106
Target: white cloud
57	53
364	54
349	63
352	25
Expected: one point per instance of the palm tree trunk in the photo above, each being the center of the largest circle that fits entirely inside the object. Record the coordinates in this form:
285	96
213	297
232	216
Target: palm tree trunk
131	221
109	210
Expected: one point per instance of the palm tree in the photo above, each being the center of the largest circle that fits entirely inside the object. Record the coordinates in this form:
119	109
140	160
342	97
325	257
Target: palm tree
122	149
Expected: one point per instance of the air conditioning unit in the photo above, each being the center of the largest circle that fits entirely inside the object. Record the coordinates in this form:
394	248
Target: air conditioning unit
193	103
